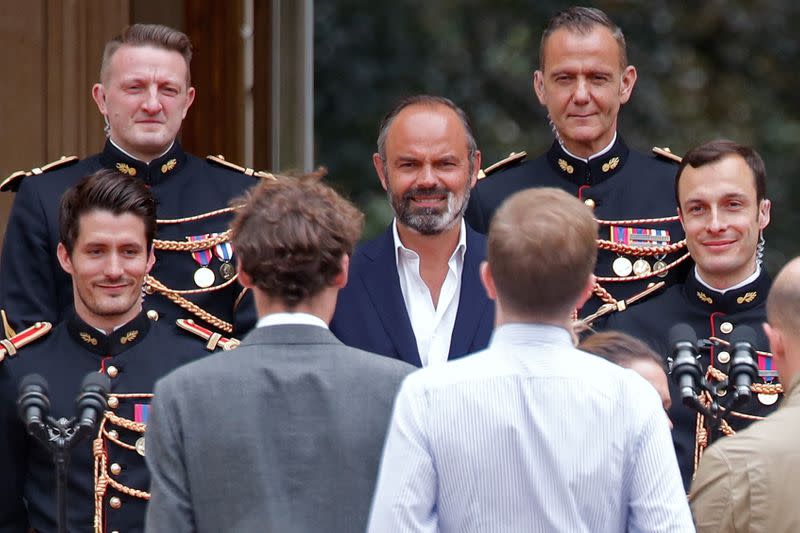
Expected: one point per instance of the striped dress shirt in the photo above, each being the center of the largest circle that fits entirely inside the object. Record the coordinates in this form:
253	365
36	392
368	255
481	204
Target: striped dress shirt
529	435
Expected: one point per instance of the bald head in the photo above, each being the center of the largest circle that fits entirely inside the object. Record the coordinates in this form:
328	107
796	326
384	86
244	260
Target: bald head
783	303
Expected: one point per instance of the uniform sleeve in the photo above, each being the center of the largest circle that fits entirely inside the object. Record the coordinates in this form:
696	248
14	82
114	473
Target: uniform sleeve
713	496
405	495
13	460
657	501
170	509
27	283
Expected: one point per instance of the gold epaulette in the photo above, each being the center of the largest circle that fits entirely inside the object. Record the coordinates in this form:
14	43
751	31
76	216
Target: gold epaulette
513	157
213	339
11	345
12	182
220	160
666	153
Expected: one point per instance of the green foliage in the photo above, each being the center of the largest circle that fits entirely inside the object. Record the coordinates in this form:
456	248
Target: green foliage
706	70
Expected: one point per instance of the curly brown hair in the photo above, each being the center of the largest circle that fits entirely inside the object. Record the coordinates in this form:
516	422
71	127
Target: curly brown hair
291	235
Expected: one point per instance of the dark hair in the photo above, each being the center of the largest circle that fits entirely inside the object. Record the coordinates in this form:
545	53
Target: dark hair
106	190
430	101
542	250
713	151
583	20
149	35
619	348
291	234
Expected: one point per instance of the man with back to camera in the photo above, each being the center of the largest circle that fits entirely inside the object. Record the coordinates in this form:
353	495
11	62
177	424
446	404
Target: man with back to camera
107	226
583	80
721	195
298	418
496	442
414	292
144	93
737	489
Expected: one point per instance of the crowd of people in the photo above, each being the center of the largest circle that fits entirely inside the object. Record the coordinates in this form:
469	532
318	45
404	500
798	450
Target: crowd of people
503	357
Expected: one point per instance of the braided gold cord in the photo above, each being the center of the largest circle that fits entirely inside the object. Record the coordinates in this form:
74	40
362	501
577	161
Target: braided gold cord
137	427
758	388
186	305
99	479
130	491
633	221
727	344
192	246
603	294
160	287
619	247
670	266
201	216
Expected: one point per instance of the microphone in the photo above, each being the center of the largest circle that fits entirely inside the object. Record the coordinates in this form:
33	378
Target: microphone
32	404
686	369
91	402
743	369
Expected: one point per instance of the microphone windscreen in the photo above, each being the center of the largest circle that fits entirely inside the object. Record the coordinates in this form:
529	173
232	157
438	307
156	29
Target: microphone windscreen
682	332
96	381
743	334
32	379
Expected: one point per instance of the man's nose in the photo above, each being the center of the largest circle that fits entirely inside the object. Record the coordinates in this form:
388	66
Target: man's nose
582	92
113	266
152	104
426	176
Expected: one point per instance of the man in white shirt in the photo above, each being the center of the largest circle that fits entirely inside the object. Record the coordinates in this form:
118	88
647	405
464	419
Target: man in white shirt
531	434
414	292
283	433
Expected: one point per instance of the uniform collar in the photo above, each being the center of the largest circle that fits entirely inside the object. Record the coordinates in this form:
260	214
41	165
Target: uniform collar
124	337
596	170
151	173
733	300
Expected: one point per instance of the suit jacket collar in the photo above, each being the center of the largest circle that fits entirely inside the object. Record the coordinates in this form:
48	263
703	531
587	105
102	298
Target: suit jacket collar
290	334
596	170
151	173
472	301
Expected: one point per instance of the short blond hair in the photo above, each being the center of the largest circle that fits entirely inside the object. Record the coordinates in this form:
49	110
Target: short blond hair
542	251
783	302
156	35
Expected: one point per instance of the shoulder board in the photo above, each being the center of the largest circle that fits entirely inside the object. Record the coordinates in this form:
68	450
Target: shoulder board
666	153
220	160
513	157
9	347
11	183
214	339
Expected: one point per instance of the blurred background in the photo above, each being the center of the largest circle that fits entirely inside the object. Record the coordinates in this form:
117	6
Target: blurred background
298	84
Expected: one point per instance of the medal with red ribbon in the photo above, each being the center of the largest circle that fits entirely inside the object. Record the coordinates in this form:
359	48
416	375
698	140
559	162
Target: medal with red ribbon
203	276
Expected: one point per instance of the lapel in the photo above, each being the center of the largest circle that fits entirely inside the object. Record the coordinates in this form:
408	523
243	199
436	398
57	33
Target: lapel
383	289
472	300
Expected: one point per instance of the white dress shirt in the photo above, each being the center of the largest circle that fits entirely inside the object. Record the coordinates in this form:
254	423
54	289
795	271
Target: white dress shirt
281	319
529	435
433	326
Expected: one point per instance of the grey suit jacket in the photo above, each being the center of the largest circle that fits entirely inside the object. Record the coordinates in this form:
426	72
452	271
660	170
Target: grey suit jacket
282	434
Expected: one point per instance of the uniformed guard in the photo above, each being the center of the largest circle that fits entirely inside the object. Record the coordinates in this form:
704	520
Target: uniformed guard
582	81
144	94
107	230
721	191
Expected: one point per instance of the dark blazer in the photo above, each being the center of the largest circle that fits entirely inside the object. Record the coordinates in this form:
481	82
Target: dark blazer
282	434
371	313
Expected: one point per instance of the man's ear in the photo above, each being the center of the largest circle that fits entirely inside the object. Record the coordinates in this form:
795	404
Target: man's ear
764	213
340	280
377	162
626	83
190	92
775	342
151	259
64	259
245	280
99	97
587	292
538	86
488	281
476	168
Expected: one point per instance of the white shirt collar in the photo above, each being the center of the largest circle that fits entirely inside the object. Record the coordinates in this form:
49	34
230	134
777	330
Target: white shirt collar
136	158
598	154
282	319
399	247
749	279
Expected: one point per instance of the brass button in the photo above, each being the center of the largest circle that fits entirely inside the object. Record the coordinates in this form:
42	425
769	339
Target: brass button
726	327
152	314
590	203
115	531
113	434
115	502
112	371
113	402
116	469
724	357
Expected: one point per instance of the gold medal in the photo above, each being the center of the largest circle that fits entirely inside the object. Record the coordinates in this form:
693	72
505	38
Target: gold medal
767	399
204	277
641	267
622	266
227	271
658	265
140	446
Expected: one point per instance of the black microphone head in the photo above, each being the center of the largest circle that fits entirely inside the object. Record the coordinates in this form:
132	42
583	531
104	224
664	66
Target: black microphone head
97	382
682	332
36	380
743	334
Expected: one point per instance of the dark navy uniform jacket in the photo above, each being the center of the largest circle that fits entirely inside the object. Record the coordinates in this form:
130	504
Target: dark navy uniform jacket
623	184
33	286
134	357
371	314
710	313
